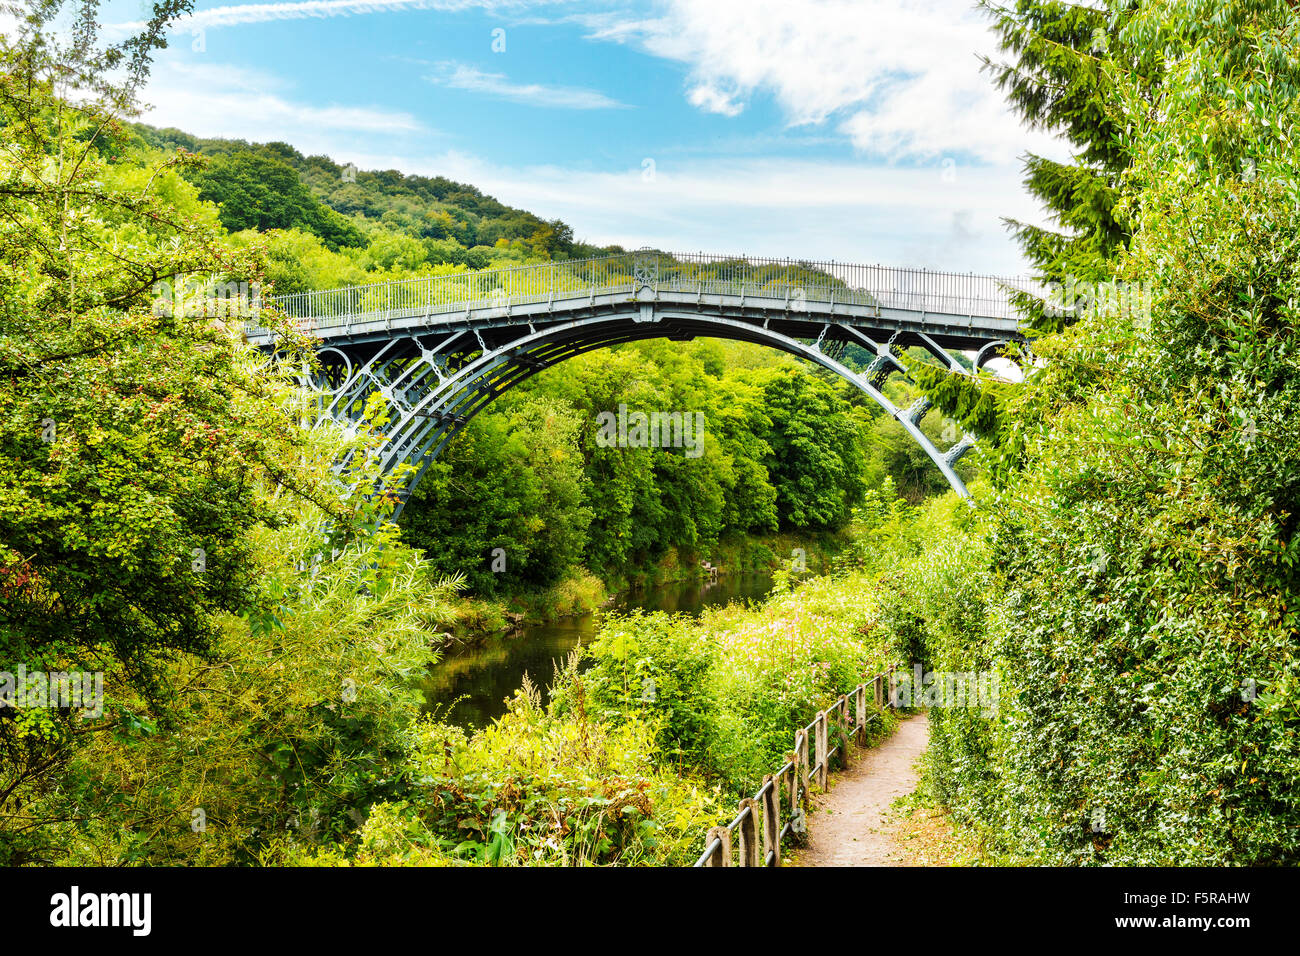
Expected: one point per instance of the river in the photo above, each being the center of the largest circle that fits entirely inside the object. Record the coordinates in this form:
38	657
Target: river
484	674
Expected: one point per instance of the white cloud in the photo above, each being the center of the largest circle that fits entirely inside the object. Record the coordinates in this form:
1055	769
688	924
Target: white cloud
713	100
900	78
321	9
462	77
211	100
934	216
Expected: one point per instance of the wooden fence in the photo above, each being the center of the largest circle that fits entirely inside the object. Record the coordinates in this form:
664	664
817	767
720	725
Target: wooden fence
755	836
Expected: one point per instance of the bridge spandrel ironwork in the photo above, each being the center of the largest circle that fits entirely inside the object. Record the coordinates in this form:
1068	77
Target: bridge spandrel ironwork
440	348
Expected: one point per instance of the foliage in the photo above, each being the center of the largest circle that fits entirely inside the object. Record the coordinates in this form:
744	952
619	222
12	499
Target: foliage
1143	611
659	664
134	424
1062	79
727	692
817	451
444	222
553	786
292	723
166	520
642	747
255	191
779	443
507	501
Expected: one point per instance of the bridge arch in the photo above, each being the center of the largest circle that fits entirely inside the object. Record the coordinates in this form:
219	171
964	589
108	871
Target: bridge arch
444	403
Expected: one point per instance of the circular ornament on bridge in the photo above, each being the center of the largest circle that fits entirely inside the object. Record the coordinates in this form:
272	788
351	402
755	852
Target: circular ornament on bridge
645	270
998	350
346	364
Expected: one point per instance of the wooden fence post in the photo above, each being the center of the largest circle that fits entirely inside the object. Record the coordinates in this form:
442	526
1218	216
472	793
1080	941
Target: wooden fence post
772	819
723	856
823	765
800	775
846	728
749	840
879	688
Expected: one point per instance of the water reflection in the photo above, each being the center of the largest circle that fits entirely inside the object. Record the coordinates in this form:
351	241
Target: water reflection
489	672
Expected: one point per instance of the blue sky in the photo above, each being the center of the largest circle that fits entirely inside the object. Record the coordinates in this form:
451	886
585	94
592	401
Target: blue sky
859	130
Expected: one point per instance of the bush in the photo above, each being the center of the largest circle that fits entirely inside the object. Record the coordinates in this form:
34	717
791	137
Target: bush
1144	560
657	666
726	693
553	786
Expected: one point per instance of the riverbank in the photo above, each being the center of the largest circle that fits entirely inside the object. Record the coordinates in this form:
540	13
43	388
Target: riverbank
641	747
582	592
470	685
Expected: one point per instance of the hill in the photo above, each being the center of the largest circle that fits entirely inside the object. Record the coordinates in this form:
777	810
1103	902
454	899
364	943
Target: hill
375	220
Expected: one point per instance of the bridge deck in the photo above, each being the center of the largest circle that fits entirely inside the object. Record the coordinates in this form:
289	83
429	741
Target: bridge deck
958	311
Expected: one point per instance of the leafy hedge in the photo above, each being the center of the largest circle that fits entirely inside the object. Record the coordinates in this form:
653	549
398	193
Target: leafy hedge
1141	579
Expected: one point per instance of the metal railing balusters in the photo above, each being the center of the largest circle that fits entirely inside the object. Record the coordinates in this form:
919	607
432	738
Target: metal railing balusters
697	274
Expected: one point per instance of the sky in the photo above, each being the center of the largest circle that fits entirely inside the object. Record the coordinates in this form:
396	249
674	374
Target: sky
853	130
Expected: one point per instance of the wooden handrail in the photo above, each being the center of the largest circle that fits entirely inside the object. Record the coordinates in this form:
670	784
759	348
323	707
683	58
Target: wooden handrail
760	815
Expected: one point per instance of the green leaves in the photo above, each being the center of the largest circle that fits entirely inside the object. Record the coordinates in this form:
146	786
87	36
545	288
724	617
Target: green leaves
259	191
155	477
531	478
1061	79
1141	616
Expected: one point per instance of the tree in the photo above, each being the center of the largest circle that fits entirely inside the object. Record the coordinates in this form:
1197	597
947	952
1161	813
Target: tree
1145	558
261	191
1062	81
506	503
818	456
1068	58
134	421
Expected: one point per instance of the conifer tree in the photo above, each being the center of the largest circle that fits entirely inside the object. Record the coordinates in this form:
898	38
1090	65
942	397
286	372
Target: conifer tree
1061	81
1060	77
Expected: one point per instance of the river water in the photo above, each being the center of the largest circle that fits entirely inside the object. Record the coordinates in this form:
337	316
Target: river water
488	672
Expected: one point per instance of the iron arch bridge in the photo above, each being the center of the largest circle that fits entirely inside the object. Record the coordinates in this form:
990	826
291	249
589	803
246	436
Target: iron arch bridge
440	349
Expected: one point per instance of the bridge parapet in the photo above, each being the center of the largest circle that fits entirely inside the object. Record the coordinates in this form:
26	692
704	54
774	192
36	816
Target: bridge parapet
813	287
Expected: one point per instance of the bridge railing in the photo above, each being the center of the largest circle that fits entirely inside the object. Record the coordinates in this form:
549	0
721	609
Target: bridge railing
755	836
830	282
456	291
801	283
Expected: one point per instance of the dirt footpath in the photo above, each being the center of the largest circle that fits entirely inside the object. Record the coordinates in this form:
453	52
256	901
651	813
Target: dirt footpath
850	826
